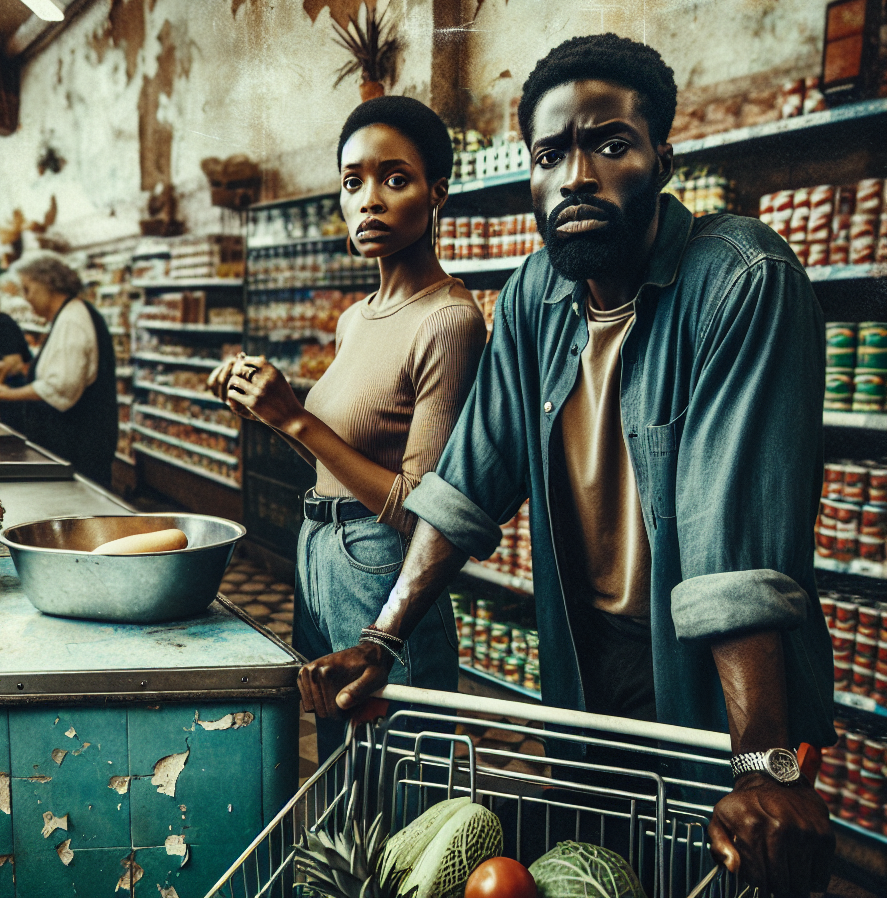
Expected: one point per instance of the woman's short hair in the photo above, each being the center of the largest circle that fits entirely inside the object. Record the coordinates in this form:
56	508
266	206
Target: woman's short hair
51	270
419	124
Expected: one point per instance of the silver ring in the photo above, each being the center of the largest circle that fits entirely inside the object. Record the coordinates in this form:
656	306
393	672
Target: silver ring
248	374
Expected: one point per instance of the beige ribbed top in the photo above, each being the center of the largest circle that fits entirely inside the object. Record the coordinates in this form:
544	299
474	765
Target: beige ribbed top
608	509
397	384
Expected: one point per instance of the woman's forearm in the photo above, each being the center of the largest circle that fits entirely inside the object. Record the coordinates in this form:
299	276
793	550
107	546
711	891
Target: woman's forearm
20	394
368	482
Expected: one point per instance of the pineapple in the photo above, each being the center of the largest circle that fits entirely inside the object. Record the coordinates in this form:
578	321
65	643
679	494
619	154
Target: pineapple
344	865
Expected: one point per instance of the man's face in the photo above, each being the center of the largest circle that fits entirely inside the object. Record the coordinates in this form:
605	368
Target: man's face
595	179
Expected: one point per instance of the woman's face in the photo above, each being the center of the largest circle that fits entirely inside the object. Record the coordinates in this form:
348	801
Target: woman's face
38	295
385	196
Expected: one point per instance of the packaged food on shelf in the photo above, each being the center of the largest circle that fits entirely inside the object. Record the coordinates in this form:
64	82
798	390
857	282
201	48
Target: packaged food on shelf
505	236
513	556
852	519
309	263
702	190
478	156
827	225
206	439
216	466
209	413
856	366
851	779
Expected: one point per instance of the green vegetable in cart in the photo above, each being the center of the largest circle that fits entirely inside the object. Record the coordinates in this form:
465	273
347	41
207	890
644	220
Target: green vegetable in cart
343	865
434	856
579	870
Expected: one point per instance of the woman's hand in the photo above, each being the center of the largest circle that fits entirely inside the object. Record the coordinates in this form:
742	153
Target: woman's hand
6	392
217	384
255	385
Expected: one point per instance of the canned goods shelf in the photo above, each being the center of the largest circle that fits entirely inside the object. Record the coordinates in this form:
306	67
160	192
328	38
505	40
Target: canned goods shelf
860	703
124	458
820	273
158	358
480	572
125	398
178	463
186	283
862	420
477	266
177	391
869	833
190	447
123	371
500	681
858	566
147	324
232	432
299	241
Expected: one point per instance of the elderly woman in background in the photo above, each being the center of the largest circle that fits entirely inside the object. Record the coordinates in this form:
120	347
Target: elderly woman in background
71	394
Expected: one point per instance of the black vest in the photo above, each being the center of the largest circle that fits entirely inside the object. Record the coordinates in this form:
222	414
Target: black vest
86	434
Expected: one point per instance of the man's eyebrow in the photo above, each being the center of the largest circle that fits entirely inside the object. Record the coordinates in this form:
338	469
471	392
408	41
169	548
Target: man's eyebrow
564	135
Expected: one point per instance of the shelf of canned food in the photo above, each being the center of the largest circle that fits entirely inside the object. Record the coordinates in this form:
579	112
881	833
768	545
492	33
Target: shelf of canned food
506	239
235	327
852	780
856	366
831	225
497	650
851	526
178	418
183	392
858	630
224	458
162	359
184	464
185	283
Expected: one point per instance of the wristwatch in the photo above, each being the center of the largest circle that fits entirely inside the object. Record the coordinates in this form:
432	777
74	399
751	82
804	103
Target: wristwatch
780	763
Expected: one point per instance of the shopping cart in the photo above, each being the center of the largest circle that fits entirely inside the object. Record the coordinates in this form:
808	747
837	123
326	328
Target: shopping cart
645	790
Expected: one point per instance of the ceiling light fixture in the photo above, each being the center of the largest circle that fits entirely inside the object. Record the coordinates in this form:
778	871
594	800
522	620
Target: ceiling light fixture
48	10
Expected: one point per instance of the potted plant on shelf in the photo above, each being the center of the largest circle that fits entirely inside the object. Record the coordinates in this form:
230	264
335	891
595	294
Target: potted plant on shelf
374	48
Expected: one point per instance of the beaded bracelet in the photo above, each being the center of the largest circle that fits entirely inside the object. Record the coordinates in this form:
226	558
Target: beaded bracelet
390	639
371	637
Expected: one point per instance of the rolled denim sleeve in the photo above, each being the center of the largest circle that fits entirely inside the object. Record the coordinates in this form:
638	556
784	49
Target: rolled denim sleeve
749	469
482	476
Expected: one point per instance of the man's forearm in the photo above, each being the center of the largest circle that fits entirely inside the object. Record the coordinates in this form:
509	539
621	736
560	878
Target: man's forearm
431	563
752	672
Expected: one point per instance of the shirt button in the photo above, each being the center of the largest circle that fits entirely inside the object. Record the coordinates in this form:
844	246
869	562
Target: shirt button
548	407
574	349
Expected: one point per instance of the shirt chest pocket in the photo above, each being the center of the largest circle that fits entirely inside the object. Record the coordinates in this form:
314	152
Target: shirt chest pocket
663	441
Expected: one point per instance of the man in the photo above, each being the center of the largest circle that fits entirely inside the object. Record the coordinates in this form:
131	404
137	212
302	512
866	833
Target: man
654	384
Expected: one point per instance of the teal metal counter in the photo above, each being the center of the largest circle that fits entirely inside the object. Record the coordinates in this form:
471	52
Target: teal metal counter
138	758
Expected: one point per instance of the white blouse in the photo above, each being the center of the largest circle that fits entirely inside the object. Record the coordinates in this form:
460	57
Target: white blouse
69	361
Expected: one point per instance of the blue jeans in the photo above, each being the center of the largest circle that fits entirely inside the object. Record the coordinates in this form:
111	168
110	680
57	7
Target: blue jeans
345	572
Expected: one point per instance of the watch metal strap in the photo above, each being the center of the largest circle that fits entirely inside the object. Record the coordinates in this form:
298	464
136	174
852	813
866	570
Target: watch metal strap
748	763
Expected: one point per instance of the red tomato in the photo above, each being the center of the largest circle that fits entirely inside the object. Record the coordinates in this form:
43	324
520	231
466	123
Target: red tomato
500	877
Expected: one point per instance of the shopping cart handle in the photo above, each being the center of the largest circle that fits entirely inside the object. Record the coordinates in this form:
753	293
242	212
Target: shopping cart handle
625	726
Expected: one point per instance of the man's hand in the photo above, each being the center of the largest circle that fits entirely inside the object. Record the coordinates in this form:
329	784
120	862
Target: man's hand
777	837
339	682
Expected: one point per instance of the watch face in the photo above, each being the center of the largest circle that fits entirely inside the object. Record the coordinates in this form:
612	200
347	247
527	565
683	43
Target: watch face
782	765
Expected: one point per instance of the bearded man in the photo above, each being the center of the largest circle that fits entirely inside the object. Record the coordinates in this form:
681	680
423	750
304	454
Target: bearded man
654	385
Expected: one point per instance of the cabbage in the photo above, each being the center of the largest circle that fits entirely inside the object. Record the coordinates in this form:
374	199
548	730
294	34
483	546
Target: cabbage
579	870
434	856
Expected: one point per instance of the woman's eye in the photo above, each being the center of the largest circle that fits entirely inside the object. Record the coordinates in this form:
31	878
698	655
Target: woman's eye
351	183
549	158
613	148
397	181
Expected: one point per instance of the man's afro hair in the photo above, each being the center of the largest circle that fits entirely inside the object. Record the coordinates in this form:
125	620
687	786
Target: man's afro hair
607	57
421	125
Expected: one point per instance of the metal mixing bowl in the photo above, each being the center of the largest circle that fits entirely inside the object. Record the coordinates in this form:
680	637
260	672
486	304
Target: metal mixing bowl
60	576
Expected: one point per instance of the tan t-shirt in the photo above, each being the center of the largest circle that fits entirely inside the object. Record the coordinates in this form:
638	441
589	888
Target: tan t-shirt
397	384
604	492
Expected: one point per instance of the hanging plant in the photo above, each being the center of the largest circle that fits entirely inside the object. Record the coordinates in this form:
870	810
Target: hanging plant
374	48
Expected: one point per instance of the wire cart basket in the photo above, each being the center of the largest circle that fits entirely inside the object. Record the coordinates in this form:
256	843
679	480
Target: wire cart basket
644	790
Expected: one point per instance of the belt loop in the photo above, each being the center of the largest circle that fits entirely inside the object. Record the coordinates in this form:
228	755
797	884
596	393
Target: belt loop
335	514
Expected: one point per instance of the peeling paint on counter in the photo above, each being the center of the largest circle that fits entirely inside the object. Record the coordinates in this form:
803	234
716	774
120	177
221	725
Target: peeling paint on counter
166	773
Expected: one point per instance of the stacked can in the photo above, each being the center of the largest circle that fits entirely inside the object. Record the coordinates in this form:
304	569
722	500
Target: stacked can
852	520
828	225
856	366
858	630
514	553
801	97
486	300
477	156
701	192
852	779
488	238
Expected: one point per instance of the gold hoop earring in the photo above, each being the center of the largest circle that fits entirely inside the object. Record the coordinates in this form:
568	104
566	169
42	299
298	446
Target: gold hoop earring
348	245
435	226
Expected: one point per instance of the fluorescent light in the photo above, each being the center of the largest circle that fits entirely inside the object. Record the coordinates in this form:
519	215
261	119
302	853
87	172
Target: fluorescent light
48	10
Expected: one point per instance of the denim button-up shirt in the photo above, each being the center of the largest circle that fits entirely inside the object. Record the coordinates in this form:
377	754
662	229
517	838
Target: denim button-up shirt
722	395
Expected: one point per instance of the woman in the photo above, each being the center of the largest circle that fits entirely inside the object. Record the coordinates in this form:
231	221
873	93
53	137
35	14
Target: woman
71	393
15	354
406	357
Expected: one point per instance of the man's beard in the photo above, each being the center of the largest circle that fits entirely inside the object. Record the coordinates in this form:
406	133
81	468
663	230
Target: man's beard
608	249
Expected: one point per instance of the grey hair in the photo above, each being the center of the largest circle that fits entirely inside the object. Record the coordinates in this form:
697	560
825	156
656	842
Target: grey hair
51	270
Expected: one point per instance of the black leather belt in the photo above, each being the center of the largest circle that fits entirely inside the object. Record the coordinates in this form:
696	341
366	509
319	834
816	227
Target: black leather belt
321	510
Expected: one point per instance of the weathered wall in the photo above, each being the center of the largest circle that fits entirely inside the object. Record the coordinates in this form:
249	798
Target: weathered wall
704	41
137	92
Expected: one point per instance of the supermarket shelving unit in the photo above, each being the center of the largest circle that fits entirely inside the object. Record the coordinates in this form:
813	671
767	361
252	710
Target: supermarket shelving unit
169	454
290	257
